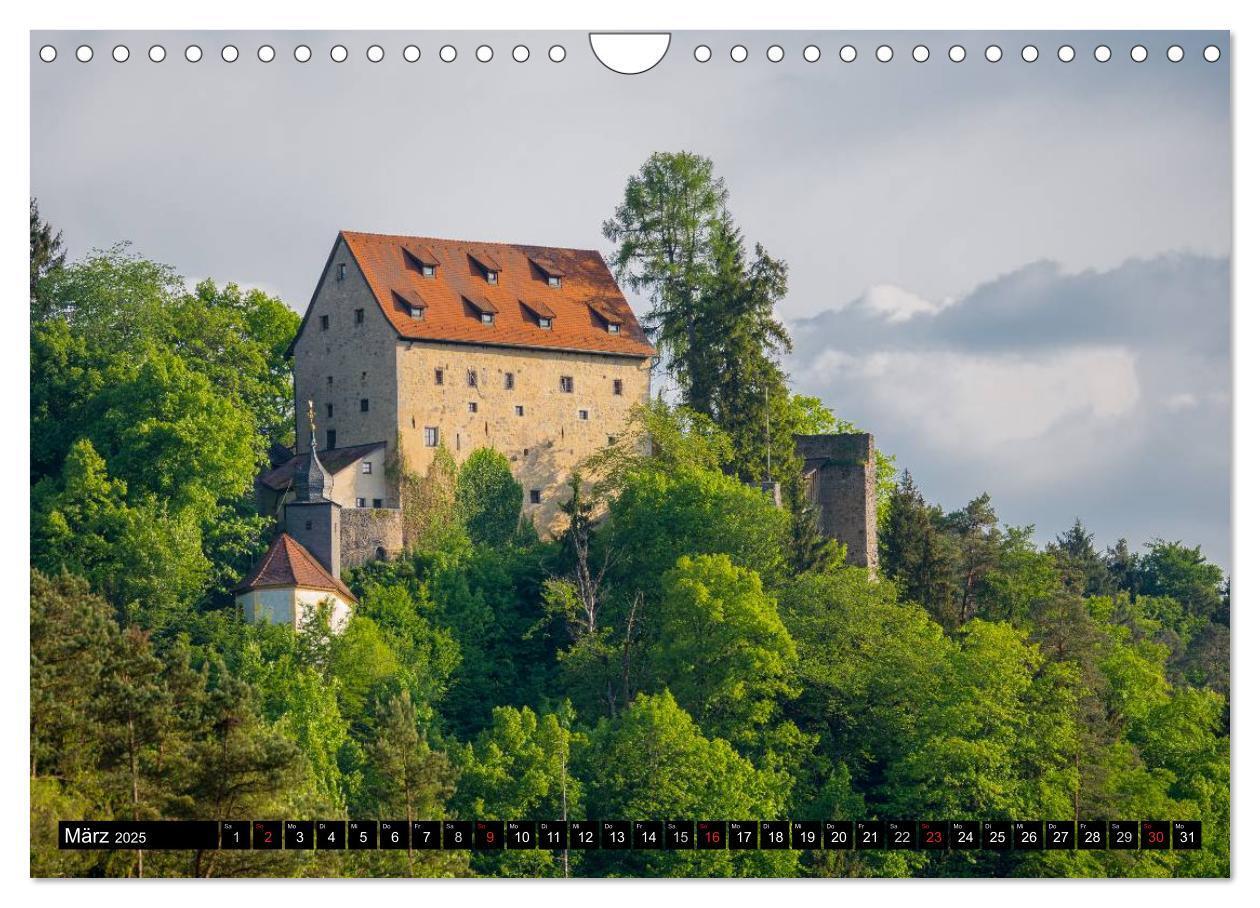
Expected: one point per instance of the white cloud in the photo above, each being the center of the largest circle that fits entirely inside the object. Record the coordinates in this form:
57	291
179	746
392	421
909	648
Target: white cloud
973	405
1182	401
896	304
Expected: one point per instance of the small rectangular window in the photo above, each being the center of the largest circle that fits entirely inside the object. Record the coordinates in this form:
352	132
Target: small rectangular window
329	408
430	436
439	377
509	380
341	271
617	387
584	414
378	503
614	329
612	439
330	437
323	323
520	410
472	406
358	316
330	379
487	318
544	322
492	277
428	270
472	378
417	312
566	384
367	467
360	502
553	280
535	496
363	405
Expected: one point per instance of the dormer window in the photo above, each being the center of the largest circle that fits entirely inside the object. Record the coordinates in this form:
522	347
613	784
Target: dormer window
411	302
481	307
540	312
606	315
422	258
487	265
550	270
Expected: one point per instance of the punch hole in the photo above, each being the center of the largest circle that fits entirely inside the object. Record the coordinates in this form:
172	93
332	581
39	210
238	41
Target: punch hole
229	53
774	53
375	53
520	53
302	53
993	53
883	53
447	53
1138	54
811	53
121	53
157	53
920	53
957	53
1067	53
739	53
1030	53
411	53
339	54
1102	53
192	53
848	53
485	53
48	53
266	53
625	53
556	53
1176	54
1211	53
702	53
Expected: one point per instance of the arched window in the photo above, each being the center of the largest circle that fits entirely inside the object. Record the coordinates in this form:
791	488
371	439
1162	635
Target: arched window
380	553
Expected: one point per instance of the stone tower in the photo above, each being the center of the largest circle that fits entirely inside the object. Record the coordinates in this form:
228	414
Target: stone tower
312	518
840	481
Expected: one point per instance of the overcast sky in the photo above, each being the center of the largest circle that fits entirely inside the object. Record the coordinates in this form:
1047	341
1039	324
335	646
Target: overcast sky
1015	274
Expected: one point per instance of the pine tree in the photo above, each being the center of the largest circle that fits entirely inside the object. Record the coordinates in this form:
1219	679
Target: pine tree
47	255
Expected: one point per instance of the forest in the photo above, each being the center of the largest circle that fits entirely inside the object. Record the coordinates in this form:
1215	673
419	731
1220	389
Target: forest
684	649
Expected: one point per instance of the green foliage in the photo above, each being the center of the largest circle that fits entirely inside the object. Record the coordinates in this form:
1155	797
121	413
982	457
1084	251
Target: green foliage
720	647
47	255
653	761
690	511
488	497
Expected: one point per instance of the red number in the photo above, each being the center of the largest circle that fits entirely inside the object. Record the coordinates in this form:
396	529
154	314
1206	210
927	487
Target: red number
489	837
934	837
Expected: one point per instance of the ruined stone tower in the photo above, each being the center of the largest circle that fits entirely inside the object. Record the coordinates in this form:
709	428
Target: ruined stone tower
840	481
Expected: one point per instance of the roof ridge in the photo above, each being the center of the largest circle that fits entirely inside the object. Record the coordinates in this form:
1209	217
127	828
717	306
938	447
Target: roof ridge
464	242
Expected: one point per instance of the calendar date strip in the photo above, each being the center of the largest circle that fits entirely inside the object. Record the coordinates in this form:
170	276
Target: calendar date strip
641	835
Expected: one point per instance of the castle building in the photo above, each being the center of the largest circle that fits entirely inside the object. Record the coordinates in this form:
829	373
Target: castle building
413	342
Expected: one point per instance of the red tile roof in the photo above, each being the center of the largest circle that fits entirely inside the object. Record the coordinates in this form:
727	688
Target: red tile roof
586	292
287	563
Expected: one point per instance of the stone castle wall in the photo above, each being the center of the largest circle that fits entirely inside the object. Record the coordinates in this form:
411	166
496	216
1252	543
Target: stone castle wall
545	440
366	533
